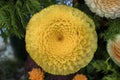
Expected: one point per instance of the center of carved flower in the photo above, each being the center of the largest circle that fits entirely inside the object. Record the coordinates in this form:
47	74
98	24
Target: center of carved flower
60	41
60	37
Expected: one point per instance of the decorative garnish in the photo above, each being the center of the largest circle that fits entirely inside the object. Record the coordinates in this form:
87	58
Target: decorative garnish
113	47
36	74
105	8
80	77
61	39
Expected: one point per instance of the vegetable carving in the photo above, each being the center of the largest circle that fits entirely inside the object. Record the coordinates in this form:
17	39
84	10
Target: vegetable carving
61	39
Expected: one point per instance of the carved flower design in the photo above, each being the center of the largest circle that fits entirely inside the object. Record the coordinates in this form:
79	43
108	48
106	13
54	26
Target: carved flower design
80	77
61	39
36	74
113	47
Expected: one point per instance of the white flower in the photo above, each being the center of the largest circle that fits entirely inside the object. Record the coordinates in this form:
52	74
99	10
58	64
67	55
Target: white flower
105	8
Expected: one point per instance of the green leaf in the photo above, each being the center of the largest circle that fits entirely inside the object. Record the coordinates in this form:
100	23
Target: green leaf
36	4
103	66
113	29
113	76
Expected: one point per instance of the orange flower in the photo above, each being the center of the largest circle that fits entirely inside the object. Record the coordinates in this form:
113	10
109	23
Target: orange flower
36	74
80	77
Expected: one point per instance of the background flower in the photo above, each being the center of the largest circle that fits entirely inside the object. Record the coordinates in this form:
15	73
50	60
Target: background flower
80	77
36	74
105	8
113	47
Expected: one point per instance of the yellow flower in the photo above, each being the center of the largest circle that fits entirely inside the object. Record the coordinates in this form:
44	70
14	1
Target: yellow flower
61	39
80	77
105	8
113	48
36	74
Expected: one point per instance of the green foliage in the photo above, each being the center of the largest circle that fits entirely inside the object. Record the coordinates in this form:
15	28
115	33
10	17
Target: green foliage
101	65
113	29
107	68
15	14
113	76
